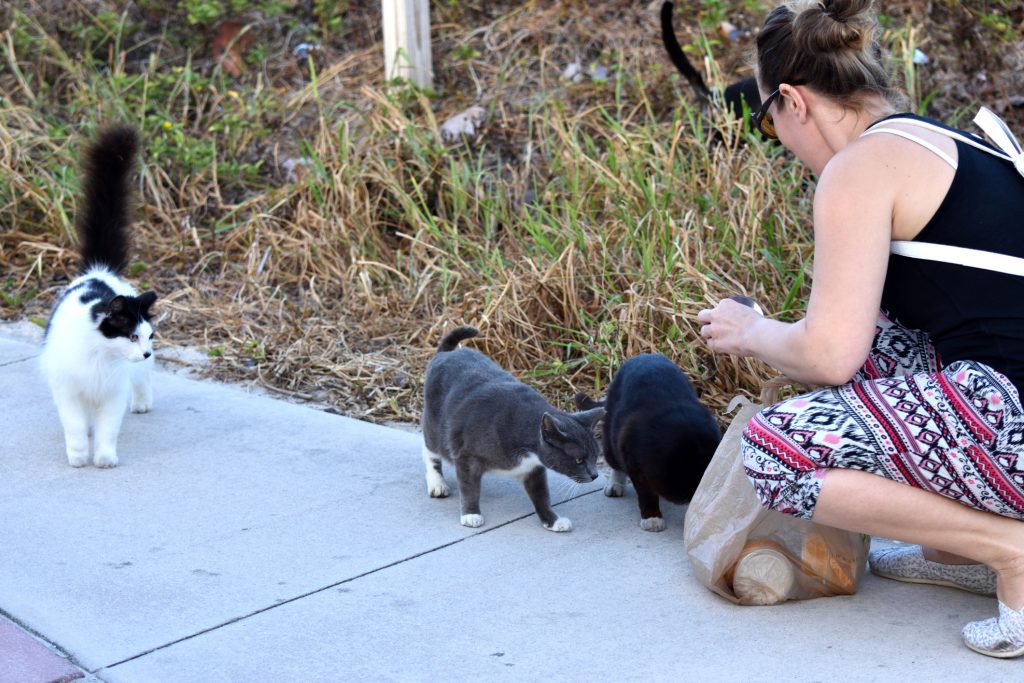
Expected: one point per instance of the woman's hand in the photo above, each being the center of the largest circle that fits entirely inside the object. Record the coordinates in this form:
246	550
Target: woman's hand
726	327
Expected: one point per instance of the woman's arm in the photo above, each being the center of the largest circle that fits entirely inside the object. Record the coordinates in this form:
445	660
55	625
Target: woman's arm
853	209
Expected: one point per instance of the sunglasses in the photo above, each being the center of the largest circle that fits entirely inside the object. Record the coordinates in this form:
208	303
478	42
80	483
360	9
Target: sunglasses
761	120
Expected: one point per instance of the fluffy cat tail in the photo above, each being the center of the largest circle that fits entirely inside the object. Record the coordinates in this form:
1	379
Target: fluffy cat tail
106	211
452	339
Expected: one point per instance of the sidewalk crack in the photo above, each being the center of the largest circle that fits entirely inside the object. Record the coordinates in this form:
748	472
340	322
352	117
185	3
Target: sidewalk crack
315	591
18	360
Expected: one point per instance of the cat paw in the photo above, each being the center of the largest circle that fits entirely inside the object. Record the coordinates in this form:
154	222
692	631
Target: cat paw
614	490
78	459
438	490
142	395
472	520
106	460
560	524
652	524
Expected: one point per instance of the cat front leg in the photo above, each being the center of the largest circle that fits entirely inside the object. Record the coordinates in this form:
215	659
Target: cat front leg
142	388
75	422
650	505
616	486
108	425
536	484
437	487
469	476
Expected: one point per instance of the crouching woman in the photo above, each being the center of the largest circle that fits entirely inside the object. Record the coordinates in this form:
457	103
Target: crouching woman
919	435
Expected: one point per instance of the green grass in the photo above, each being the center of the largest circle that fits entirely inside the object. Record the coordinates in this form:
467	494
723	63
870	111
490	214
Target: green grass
587	223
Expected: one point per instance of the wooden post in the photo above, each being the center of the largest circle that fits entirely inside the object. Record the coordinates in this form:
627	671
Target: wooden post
407	41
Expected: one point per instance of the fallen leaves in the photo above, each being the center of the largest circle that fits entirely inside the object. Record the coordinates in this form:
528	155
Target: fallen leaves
230	42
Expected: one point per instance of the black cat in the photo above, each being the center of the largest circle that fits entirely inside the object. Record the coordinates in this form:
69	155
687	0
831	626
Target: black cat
657	431
734	95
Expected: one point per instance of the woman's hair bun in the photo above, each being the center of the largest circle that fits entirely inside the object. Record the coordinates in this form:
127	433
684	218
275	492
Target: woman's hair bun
844	10
833	25
827	45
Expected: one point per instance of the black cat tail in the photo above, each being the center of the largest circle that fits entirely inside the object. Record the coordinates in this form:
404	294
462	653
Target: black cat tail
105	213
676	54
452	339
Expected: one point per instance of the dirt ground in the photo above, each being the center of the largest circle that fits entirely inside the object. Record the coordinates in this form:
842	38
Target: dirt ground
971	53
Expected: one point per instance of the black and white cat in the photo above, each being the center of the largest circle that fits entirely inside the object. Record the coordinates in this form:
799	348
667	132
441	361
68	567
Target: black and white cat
658	432
481	419
98	348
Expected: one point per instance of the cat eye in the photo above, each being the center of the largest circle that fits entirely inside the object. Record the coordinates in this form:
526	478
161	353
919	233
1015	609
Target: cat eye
134	338
579	461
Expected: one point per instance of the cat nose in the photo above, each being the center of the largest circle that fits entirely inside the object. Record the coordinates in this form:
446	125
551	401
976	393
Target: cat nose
147	354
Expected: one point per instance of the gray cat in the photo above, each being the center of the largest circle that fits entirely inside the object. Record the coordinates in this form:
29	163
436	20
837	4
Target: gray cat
481	419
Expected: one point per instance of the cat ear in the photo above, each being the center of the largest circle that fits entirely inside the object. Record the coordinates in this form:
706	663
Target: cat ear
584	402
115	316
116	305
549	429
589	418
146	299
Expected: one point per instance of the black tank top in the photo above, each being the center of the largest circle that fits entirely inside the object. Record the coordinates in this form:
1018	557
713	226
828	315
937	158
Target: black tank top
969	313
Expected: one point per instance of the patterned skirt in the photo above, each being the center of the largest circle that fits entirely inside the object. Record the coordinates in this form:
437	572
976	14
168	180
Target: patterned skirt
957	431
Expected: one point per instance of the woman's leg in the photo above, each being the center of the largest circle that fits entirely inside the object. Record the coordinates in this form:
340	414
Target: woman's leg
944	557
898	351
959	432
933	458
868	503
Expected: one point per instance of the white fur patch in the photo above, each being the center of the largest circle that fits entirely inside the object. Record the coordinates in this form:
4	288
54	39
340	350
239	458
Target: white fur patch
106	460
613	490
78	458
525	467
560	524
437	490
436	485
472	520
652	524
142	389
616	486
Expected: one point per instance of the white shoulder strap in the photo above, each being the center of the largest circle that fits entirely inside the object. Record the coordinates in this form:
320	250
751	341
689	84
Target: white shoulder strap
913	138
1002	138
992	125
975	258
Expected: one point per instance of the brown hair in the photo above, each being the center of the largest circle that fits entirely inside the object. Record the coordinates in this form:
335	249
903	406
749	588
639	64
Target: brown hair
829	46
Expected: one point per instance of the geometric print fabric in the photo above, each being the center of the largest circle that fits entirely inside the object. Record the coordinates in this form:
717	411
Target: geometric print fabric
958	431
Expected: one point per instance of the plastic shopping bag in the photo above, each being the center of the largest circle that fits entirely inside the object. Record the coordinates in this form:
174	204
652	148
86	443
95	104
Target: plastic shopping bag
755	556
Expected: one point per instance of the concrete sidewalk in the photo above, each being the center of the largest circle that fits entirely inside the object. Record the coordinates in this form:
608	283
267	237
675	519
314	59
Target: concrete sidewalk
244	538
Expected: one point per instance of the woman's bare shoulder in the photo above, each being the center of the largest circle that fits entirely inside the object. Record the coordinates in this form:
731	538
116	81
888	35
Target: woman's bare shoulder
864	170
899	145
887	172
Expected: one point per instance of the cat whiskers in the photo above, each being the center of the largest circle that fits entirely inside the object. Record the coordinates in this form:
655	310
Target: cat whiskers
567	489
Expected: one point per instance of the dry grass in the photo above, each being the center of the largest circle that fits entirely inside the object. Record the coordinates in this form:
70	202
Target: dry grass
585	223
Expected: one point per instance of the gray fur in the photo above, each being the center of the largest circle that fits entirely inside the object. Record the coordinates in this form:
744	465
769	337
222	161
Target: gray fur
480	418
